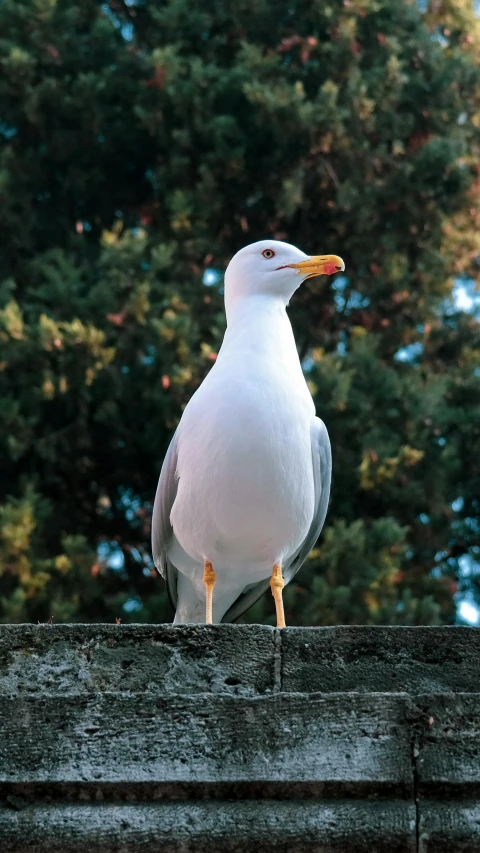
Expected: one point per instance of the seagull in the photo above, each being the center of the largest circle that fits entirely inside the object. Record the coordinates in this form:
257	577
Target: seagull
244	487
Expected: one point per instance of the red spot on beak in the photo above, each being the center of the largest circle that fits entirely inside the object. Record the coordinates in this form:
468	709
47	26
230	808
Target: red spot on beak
329	269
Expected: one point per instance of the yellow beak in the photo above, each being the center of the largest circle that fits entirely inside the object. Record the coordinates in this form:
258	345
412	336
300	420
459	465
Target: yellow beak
319	265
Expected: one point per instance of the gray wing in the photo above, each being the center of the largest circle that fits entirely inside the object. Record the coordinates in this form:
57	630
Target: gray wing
322	478
162	531
322	475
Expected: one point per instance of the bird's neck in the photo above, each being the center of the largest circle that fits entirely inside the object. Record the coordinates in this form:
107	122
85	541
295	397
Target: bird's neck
259	322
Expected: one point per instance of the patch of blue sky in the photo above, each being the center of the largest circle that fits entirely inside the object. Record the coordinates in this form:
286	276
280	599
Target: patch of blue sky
440	556
131	504
7	131
136	554
132	605
110	14
127	31
116	560
126	28
409	353
439	38
467	608
470	563
468	612
466	296
347	300
150	356
307	364
103	550
357	300
211	277
111	554
338	286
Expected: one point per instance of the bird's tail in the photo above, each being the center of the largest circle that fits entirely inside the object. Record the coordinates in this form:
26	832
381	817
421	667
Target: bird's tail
190	605
191	602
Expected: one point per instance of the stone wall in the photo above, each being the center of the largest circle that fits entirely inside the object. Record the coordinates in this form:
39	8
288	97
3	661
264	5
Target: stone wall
154	739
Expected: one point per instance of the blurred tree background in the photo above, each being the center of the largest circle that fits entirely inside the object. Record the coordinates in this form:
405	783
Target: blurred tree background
141	145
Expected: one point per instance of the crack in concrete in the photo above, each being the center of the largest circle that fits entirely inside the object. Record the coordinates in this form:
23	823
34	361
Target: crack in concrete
416	799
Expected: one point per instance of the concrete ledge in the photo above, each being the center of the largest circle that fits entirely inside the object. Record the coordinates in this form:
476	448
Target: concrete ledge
227	738
239	826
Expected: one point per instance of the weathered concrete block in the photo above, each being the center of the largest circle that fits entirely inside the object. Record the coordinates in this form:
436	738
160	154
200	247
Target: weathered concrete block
144	737
199	827
450	749
445	827
384	660
82	659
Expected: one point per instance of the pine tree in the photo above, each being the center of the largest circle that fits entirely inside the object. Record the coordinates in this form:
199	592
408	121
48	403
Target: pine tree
141	145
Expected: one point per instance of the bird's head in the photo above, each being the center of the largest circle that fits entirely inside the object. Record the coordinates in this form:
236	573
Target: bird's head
271	267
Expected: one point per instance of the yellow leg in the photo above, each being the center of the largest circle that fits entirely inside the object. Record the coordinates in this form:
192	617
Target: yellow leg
209	578
276	584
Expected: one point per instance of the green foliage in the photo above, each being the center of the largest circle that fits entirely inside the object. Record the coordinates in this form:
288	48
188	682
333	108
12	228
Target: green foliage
141	145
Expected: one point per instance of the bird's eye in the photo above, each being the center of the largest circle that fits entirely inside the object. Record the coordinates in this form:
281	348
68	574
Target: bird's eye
268	253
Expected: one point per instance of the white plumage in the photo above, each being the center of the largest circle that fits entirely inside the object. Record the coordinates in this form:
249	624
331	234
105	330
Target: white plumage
246	479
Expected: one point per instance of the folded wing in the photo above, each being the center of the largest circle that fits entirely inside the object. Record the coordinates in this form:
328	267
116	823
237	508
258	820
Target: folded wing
322	475
162	531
